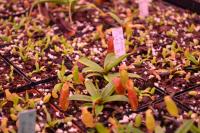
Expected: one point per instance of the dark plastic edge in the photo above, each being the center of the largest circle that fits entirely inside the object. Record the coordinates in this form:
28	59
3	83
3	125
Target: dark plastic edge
15	68
181	105
15	14
186	4
186	90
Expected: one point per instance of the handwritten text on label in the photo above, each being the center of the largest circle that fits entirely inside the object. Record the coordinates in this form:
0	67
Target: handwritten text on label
119	42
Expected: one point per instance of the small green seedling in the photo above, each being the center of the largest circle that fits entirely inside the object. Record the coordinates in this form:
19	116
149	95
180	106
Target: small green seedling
93	69
98	97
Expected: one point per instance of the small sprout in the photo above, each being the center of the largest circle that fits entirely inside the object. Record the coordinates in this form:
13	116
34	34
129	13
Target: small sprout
37	66
119	89
171	106
138	120
132	95
87	118
11	74
138	61
64	97
56	89
13	97
191	28
165	52
61	73
172	34
193	93
47	98
99	30
150	121
5	38
187	76
191	57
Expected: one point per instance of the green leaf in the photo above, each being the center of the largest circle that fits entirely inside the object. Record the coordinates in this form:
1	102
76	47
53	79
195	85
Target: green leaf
101	129
51	1
107	90
128	128
115	98
78	97
114	62
75	74
185	127
159	129
48	116
138	120
109	57
98	109
92	90
5	38
93	74
116	18
191	58
91	64
56	89
194	129
90	69
133	75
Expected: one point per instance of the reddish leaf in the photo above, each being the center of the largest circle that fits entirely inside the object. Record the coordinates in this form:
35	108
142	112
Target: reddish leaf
64	97
132	95
87	118
81	78
119	89
110	48
99	2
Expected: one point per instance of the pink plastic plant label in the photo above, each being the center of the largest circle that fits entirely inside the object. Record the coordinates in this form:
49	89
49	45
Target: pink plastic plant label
119	42
144	8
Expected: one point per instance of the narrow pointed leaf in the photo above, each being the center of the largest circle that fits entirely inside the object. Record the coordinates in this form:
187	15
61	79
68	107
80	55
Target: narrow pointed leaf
91	64
116	18
92	90
91	69
109	57
78	97
107	90
185	127
114	62
115	98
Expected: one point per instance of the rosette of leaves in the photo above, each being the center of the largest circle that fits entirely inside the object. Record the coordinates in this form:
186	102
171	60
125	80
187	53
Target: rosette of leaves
94	69
98	97
192	62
